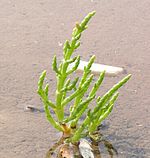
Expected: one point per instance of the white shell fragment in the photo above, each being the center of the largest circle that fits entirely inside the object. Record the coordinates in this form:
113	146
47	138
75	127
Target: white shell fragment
98	68
85	149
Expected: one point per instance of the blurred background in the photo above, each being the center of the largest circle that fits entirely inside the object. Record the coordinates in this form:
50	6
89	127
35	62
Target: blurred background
32	31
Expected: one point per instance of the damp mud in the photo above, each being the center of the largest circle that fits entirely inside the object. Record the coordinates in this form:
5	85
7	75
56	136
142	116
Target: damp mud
31	32
86	146
103	147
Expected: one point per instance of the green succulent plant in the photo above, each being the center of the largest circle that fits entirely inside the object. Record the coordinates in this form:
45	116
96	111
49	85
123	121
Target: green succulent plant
74	91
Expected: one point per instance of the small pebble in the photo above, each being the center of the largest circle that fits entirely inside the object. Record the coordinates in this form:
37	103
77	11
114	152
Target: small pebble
31	108
60	44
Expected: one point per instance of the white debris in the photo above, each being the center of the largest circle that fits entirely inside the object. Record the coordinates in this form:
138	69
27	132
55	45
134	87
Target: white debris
60	44
85	149
97	68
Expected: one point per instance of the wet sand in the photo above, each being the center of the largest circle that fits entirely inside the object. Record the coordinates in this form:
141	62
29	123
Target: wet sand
31	32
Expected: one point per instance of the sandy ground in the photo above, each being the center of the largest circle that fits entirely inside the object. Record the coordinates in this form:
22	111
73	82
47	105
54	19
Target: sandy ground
32	31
